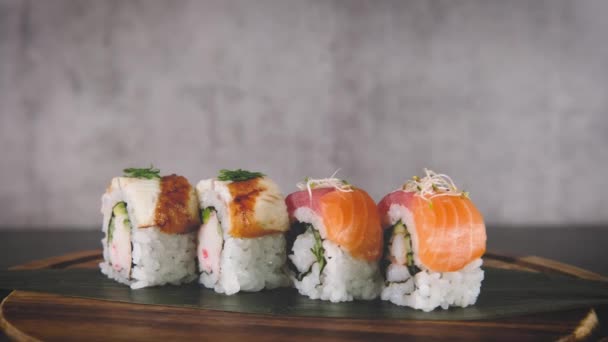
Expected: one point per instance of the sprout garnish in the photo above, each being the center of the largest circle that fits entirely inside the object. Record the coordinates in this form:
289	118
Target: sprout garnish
433	185
331	182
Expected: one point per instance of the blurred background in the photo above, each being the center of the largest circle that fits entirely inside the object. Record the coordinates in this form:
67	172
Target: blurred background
510	98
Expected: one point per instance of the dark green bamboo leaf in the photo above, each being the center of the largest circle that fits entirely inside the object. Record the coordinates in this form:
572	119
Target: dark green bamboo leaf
504	293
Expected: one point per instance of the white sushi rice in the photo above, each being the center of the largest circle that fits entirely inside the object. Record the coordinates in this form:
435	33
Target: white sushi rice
344	278
250	265
427	290
246	264
158	259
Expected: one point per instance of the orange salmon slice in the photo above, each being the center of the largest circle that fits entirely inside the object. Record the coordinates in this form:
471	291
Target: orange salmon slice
447	233
350	218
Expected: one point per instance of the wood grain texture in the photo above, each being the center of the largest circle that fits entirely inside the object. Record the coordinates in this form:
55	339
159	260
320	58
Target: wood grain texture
77	259
38	316
538	264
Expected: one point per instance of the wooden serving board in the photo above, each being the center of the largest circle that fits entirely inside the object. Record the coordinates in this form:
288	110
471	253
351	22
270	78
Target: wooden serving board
34	316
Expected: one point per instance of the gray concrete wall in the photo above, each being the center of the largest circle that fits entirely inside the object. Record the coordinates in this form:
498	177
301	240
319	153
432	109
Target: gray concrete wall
508	97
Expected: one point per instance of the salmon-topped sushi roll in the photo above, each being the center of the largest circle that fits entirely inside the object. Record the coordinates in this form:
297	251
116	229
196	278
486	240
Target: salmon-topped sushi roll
150	225
434	240
335	241
241	242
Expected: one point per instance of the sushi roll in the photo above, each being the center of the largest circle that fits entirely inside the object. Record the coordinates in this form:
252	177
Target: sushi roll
335	241
241	242
434	240
150	226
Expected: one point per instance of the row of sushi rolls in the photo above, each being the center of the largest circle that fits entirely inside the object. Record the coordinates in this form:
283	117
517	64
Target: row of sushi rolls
420	246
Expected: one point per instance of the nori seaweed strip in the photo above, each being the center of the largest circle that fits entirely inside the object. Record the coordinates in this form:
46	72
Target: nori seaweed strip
385	261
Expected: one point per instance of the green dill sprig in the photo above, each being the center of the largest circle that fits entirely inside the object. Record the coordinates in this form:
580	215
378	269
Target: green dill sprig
238	175
147	173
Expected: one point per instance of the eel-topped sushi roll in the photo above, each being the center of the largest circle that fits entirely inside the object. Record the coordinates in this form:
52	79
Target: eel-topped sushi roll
241	242
434	240
150	225
335	241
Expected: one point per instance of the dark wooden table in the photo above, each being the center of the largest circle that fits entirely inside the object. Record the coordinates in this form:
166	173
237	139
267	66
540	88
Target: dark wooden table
27	315
579	246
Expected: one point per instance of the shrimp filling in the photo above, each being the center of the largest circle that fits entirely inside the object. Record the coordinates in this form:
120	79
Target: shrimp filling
398	248
119	240
210	243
